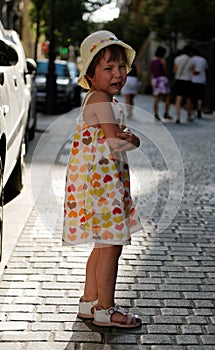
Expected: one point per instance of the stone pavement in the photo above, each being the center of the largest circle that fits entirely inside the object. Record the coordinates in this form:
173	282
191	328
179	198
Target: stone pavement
167	275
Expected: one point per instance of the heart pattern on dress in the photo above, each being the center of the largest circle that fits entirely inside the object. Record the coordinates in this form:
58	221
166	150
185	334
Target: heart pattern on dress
97	204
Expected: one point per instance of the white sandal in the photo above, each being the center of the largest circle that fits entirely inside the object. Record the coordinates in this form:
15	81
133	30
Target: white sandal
86	309
102	317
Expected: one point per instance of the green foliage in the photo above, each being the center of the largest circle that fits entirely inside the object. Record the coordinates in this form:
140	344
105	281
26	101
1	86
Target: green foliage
193	20
69	23
169	19
129	29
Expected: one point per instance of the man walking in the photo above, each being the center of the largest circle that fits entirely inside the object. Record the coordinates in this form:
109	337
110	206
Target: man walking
183	85
199	77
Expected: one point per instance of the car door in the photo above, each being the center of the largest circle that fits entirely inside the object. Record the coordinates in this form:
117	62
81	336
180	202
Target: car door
12	98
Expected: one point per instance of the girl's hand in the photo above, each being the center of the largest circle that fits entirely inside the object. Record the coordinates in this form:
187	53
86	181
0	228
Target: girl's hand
129	140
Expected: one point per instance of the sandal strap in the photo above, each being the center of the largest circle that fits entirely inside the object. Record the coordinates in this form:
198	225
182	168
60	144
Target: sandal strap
117	308
127	319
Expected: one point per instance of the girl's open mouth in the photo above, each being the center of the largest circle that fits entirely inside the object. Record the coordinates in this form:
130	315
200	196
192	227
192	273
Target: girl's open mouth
116	84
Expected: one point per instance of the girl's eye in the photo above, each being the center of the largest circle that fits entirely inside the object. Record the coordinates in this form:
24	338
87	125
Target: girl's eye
123	65
108	68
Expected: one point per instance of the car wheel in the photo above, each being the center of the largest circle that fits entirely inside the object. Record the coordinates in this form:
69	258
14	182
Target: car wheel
14	184
31	132
30	129
1	206
32	120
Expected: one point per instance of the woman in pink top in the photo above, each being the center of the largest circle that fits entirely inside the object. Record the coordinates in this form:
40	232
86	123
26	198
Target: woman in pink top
160	82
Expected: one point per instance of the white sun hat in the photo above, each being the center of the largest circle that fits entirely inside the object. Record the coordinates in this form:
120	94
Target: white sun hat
92	44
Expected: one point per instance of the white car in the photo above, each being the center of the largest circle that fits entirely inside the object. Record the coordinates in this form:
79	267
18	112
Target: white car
15	99
28	66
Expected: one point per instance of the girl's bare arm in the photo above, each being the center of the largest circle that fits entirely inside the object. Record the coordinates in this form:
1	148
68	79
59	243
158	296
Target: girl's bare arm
99	110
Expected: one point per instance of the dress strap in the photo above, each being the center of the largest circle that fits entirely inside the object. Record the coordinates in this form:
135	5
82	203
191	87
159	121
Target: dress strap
86	98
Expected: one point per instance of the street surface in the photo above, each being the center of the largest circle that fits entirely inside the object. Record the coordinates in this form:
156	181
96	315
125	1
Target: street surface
167	275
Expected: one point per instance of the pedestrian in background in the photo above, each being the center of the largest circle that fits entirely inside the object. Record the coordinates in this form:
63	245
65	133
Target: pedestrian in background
160	82
199	77
130	90
98	204
182	69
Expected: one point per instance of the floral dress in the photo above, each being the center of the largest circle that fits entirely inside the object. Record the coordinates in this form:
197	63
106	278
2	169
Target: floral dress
98	206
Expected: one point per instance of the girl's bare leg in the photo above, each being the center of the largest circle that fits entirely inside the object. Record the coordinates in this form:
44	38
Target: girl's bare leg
103	261
91	290
101	273
106	274
106	278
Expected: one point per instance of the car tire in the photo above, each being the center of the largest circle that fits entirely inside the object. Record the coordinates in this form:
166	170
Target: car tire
30	129
31	132
14	184
32	125
1	206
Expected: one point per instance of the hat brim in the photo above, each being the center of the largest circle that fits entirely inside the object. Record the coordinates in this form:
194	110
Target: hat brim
130	54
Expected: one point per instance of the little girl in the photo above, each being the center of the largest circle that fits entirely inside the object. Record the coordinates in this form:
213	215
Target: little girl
98	205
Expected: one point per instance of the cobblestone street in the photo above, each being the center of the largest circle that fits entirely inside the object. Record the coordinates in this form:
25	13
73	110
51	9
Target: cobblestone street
167	275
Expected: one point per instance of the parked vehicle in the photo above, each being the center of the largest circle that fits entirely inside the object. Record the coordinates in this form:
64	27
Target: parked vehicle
74	73
64	83
28	66
15	99
32	115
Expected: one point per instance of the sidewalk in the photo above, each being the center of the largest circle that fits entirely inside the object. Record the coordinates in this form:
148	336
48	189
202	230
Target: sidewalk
167	277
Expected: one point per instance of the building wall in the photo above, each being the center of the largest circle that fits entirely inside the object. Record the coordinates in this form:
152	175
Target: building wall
14	15
26	34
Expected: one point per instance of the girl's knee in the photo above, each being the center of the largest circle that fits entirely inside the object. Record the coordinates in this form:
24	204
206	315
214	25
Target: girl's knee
114	251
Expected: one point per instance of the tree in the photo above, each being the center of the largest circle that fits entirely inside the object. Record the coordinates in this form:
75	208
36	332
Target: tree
130	26
70	25
171	19
35	14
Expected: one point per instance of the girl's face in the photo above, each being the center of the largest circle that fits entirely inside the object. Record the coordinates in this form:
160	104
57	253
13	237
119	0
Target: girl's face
110	76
